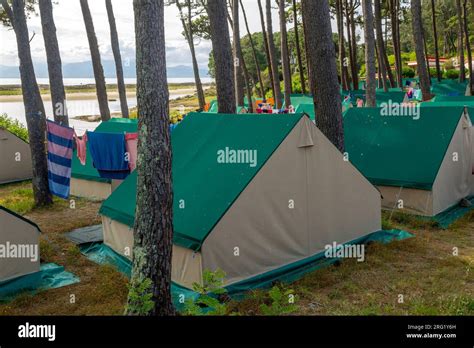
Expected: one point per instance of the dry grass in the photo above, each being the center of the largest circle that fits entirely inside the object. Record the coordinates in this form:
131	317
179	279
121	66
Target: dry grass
423	269
102	290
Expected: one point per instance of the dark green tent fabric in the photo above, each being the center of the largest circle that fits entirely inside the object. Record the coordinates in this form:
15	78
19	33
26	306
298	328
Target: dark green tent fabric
205	187
450	88
307	109
398	150
114	125
461	99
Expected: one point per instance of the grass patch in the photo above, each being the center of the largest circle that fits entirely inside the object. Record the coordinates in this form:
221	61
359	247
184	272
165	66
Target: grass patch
432	279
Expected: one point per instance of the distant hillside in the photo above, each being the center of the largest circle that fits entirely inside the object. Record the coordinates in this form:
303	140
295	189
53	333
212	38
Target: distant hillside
84	70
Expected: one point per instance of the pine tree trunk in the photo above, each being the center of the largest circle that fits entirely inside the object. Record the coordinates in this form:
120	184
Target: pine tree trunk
236	50
324	83
273	56
369	52
254	52
305	36
189	35
355	70
395	40
468	47
53	57
34	108
222	51
435	38
267	46
349	43
96	63
118	59
298	49
153	230
420	56
462	73
386	70
284	53
342	48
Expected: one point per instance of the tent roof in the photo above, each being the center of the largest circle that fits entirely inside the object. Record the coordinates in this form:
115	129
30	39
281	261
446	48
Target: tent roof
207	188
114	125
400	151
11	212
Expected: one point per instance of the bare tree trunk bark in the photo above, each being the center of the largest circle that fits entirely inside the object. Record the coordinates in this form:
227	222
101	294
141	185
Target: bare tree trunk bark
267	46
254	52
53	57
34	108
298	49
369	53
284	53
435	38
96	63
386	70
324	84
237	49
273	55
468	47
342	48
462	73
395	40
306	34
355	70
420	56
222	51
153	230
188	32
118	59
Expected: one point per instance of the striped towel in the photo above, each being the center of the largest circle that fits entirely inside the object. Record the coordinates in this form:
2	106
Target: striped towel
60	140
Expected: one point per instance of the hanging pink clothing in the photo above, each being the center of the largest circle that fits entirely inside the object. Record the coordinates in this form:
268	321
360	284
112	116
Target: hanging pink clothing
131	145
81	146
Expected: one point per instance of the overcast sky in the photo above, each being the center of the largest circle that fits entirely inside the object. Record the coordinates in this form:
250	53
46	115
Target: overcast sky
73	40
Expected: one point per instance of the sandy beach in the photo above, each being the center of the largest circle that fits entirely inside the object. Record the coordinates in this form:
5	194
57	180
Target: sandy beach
113	95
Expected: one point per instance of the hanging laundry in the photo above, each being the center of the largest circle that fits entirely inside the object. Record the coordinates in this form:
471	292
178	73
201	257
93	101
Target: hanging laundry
81	146
108	154
131	145
60	141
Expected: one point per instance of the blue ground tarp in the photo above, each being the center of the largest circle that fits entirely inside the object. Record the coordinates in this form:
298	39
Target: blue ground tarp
50	276
102	254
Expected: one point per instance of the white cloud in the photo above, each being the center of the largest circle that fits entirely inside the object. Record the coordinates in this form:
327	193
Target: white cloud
73	40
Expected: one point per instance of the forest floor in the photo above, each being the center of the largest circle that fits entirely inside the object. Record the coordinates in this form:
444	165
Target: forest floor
423	269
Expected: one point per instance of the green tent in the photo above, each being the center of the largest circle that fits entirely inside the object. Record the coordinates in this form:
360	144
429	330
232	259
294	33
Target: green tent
85	179
235	180
410	156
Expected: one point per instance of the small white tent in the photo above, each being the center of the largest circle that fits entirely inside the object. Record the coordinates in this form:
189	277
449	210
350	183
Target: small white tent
16	158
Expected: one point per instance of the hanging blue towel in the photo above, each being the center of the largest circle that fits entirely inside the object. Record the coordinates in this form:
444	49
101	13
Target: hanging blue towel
59	158
108	154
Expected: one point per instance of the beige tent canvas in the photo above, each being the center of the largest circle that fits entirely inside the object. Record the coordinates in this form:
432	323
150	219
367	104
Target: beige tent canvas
257	196
16	158
422	164
19	246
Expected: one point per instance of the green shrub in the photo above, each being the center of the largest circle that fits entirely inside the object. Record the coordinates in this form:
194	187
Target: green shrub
408	72
14	127
207	303
140	297
282	302
451	74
